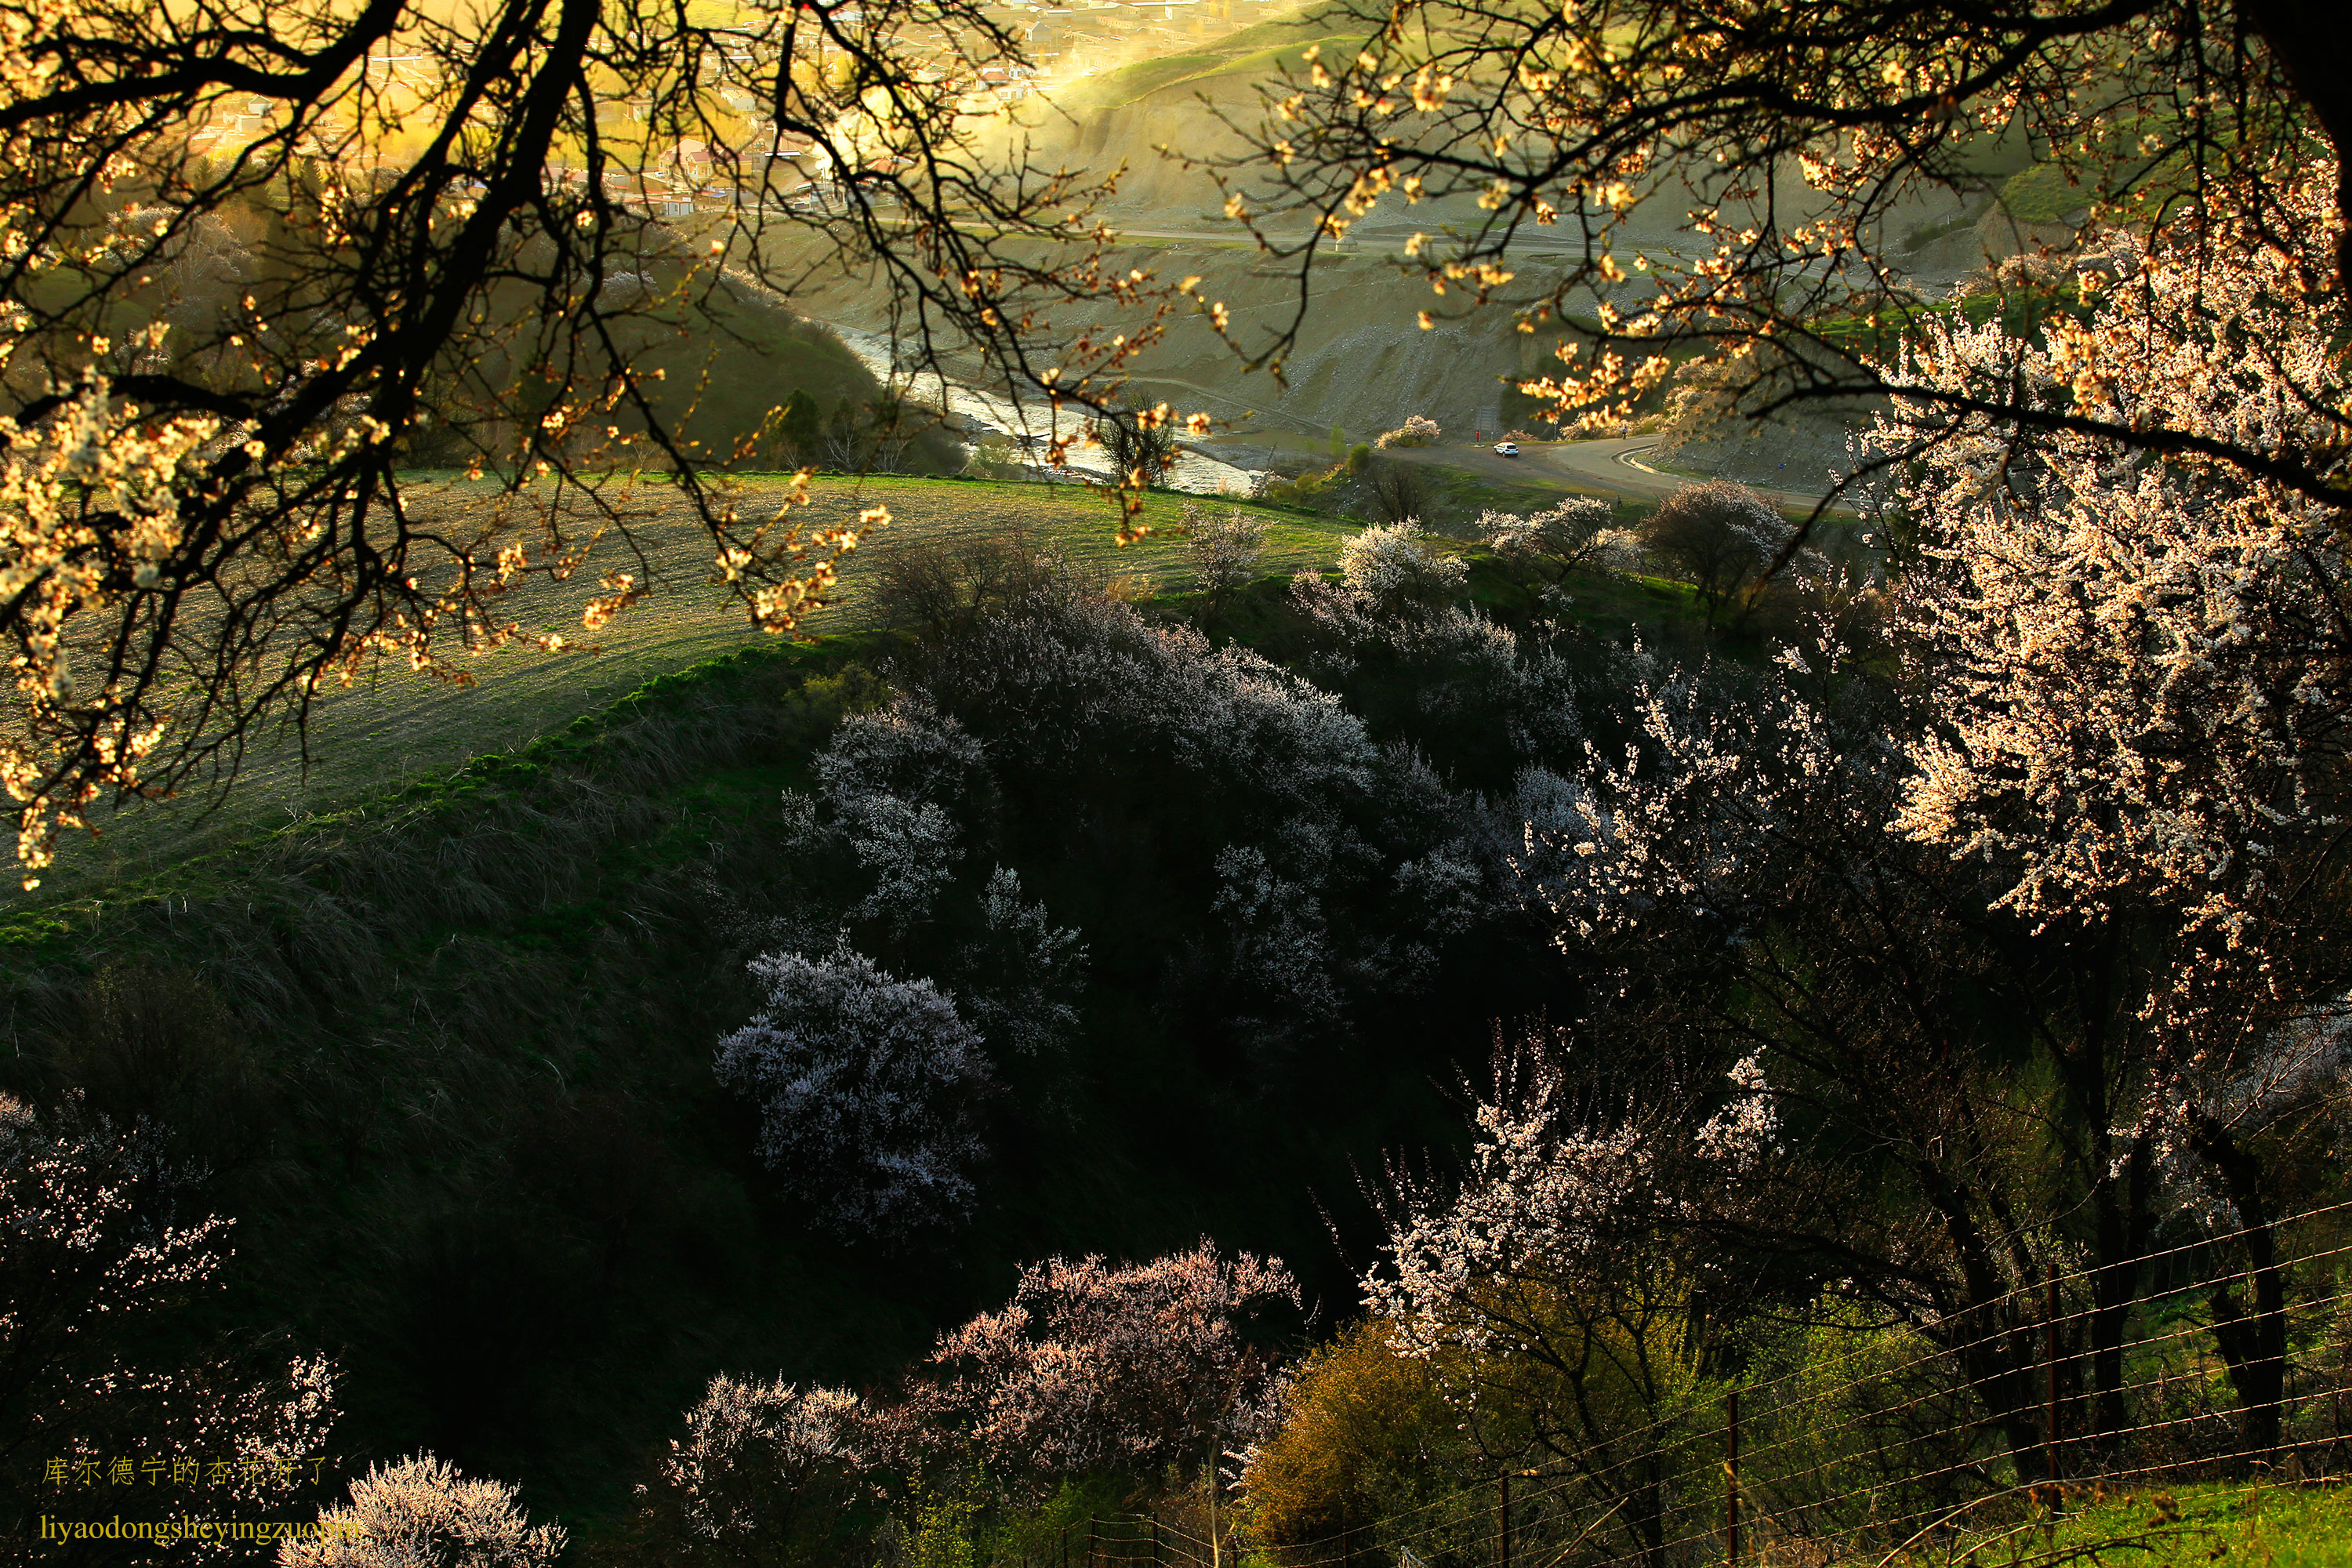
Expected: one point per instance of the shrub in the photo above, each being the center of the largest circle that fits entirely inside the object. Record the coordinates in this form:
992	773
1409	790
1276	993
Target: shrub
1223	551
1060	680
1391	565
866	1086
1365	1433
1094	1367
421	1512
1416	431
761	1478
1575	533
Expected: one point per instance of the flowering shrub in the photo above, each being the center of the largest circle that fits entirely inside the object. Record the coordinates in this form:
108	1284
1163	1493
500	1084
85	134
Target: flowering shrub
1390	565
95	1266
1093	1367
866	1086
1576	533
1416	431
1223	551
911	850
421	1512
761	1474
1057	681
909	749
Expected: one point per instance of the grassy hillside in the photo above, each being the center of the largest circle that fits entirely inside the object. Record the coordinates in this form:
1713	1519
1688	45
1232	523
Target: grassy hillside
1249	53
449	1056
399	727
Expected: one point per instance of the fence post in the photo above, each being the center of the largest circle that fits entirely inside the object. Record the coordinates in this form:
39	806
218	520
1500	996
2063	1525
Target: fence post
1155	1540
2050	1434
1502	1539
1094	1542
1215	1557
1065	1546
1731	1484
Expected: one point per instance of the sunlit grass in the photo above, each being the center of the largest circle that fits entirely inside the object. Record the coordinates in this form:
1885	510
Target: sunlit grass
398	726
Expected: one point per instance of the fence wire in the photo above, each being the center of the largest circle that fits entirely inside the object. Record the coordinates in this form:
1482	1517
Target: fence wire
1839	1461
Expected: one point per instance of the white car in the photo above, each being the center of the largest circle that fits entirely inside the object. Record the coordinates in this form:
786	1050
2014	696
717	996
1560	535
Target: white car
1507	448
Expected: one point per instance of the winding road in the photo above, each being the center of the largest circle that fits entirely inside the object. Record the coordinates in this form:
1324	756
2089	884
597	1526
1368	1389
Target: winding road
1621	465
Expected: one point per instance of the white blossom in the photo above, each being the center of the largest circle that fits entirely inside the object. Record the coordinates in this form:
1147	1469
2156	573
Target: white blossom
754	1450
1093	1366
422	1512
866	1086
1393	563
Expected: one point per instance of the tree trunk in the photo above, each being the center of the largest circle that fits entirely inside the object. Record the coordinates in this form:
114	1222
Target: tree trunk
2254	1349
2305	37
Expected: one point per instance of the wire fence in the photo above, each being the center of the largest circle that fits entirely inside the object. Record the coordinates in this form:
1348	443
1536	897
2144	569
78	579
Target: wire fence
1988	1432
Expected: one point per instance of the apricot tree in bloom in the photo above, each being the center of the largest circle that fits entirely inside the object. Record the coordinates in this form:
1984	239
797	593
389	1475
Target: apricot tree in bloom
209	509
1223	551
1093	1366
95	1260
1575	533
2140	665
761	1473
1392	564
1552	1292
867	1087
423	1512
1057	677
1782	155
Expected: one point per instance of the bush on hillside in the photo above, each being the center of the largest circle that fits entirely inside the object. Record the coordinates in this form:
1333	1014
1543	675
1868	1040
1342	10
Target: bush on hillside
761	1479
867	1087
423	1512
1416	431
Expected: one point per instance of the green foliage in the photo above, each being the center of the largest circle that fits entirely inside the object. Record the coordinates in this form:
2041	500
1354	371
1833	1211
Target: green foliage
1369	1435
2043	193
940	1527
801	424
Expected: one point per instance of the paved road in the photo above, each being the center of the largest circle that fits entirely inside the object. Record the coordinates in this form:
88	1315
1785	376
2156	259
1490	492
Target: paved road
1623	466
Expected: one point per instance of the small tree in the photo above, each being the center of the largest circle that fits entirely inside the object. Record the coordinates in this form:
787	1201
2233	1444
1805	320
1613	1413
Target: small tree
1575	533
866	1086
1416	431
1223	551
1095	1367
1400	490
1721	536
759	1480
1391	566
422	1512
